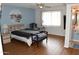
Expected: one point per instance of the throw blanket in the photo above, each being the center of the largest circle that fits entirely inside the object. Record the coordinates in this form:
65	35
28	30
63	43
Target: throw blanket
22	34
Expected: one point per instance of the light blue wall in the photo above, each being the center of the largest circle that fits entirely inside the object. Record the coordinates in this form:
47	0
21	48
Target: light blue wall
28	14
76	46
76	36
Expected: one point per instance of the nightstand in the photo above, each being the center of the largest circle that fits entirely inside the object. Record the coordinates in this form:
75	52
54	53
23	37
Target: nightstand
6	38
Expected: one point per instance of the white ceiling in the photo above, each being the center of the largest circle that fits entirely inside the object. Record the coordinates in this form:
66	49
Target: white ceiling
33	5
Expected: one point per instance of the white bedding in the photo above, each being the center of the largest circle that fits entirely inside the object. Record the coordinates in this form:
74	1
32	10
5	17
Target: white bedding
28	41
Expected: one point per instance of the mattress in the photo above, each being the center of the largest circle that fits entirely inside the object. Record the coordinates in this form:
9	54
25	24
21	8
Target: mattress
28	41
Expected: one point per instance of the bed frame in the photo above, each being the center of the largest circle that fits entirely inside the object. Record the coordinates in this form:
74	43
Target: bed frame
14	27
22	26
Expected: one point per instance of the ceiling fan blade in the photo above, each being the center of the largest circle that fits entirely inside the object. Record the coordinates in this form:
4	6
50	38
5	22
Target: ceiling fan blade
47	7
42	5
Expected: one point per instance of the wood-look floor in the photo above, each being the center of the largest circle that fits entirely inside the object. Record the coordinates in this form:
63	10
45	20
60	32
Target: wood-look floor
54	46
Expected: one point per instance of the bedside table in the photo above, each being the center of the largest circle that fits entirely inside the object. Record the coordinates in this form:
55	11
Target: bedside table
6	38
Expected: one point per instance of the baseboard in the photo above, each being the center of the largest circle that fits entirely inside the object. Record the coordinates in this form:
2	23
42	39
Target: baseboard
56	35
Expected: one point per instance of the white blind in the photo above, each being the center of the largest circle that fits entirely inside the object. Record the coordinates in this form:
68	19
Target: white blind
51	18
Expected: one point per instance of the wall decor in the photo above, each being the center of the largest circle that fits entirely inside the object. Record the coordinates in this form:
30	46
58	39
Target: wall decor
16	15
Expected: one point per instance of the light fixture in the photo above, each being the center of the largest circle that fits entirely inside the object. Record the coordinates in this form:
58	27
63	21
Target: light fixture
73	10
73	17
40	5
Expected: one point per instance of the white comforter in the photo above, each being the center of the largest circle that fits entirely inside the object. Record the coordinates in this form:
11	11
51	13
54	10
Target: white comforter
28	41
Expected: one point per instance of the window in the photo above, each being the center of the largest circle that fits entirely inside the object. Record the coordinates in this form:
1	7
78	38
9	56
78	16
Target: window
51	18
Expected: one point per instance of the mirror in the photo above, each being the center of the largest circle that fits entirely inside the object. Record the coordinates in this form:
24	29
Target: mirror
75	18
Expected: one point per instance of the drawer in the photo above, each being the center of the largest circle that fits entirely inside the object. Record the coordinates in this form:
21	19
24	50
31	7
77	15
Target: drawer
6	41
6	38
5	34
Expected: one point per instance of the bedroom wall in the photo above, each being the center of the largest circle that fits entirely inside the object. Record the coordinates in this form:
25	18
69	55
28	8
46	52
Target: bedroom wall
53	29
28	14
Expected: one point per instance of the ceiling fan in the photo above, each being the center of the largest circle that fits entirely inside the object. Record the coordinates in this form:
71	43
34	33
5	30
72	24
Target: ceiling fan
42	5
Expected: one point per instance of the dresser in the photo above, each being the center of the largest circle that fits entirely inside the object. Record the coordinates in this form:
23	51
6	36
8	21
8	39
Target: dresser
6	38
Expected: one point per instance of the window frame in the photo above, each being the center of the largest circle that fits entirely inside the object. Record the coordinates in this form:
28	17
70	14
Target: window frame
51	18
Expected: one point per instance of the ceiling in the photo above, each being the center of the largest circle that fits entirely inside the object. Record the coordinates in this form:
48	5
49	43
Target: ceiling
33	5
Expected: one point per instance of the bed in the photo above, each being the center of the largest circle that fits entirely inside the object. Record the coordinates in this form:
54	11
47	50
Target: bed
23	36
27	35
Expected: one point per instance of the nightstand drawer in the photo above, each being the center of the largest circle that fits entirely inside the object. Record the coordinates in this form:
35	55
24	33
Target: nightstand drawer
6	41
6	37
